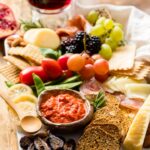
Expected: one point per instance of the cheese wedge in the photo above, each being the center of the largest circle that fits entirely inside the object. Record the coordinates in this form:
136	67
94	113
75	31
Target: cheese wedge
117	84
137	131
43	37
137	90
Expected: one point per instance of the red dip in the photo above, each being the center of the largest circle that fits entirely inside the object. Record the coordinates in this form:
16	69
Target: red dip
63	108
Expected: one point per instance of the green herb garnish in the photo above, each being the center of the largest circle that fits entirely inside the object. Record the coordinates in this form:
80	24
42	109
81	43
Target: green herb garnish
99	101
9	84
27	25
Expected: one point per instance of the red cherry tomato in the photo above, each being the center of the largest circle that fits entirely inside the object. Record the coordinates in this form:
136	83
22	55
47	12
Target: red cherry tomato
67	74
101	78
96	57
26	75
101	67
87	72
88	59
62	60
52	68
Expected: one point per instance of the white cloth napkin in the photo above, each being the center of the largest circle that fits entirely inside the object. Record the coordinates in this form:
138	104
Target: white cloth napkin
136	23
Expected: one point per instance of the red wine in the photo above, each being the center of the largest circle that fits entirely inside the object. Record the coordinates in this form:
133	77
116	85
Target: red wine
49	4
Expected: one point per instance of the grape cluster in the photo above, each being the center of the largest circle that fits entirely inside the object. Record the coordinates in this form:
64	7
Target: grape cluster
82	41
109	32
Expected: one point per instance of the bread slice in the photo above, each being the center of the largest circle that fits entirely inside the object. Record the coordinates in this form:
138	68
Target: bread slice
94	138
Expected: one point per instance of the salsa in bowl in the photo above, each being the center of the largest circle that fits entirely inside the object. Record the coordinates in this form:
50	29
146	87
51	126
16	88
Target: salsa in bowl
64	109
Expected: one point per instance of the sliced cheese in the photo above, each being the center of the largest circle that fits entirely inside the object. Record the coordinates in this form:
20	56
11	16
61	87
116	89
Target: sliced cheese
137	90
117	84
137	131
43	37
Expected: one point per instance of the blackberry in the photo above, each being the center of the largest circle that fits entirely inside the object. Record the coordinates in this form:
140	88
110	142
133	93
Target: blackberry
93	45
80	35
76	44
71	49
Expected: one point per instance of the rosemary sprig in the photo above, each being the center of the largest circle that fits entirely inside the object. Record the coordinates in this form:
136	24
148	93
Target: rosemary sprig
99	101
26	25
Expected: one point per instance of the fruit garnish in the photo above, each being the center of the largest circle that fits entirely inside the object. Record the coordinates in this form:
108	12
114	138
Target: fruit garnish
99	100
8	24
109	32
101	67
52	68
81	42
88	59
62	60
106	51
92	16
87	72
75	62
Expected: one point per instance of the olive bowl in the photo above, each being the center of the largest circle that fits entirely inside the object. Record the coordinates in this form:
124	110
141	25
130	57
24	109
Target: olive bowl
63	127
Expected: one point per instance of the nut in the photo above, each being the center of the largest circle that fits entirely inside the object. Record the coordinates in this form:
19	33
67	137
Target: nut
14	42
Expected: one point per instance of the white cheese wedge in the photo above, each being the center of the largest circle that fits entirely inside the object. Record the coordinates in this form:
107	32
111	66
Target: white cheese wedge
137	131
115	83
137	90
43	37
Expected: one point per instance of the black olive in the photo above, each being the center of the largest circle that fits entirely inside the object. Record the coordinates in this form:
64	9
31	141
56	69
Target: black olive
31	147
70	145
55	142
41	144
25	142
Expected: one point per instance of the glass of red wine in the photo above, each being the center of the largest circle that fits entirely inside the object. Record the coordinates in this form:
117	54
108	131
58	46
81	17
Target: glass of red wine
52	13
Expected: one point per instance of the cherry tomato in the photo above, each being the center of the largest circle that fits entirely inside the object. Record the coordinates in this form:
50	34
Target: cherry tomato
75	62
101	78
52	68
26	75
87	72
101	67
96	57
62	60
67	74
88	59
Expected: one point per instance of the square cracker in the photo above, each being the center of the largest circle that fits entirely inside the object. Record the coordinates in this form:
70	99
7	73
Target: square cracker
123	58
30	52
18	62
138	65
10	72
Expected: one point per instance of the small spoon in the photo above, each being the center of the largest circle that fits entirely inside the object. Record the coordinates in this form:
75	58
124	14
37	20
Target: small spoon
29	124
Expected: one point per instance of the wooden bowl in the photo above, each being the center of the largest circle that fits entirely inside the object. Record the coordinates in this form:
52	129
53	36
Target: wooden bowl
72	126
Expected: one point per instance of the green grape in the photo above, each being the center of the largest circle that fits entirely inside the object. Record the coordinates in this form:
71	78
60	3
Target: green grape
101	20
108	24
106	51
113	44
97	30
117	34
119	25
92	16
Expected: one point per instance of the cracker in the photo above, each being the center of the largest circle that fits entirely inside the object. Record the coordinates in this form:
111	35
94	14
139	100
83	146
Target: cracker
143	73
18	62
30	52
10	72
138	65
123	58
